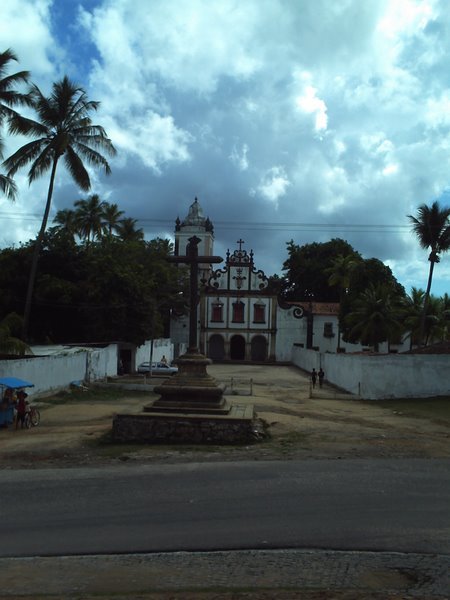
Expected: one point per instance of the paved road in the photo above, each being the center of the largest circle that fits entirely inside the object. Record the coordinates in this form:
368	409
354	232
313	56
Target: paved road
391	505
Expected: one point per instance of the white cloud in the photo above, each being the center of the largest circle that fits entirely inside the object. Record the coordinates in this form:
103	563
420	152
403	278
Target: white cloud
274	185
239	157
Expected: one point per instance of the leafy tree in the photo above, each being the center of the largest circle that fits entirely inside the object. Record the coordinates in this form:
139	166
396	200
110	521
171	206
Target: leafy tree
10	97
64	129
339	274
432	228
89	218
10	328
306	269
376	316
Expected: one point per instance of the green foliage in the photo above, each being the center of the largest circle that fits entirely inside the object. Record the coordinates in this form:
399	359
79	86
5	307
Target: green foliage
109	291
10	328
376	316
10	97
307	270
432	228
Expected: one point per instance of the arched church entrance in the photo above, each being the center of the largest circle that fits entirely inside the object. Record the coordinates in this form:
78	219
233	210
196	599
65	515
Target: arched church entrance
216	347
237	347
259	348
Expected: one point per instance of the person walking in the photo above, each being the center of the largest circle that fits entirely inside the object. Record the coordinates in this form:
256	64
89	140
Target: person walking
321	377
314	378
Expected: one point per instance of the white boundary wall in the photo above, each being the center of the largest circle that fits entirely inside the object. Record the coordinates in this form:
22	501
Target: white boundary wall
385	376
58	370
49	373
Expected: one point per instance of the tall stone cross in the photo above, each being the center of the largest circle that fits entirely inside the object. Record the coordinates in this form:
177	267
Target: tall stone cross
193	260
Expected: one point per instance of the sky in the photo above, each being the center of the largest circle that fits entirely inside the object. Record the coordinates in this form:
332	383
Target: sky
288	119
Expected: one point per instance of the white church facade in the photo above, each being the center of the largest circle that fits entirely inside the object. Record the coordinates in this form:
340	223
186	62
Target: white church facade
239	318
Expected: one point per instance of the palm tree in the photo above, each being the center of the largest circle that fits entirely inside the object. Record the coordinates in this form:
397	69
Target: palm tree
412	310
432	227
89	217
376	316
111	216
10	97
127	232
339	275
64	129
66	220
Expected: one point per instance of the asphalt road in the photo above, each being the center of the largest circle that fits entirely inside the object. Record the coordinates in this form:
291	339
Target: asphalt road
390	505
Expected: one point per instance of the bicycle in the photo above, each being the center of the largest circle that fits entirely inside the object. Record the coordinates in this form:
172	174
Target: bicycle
32	417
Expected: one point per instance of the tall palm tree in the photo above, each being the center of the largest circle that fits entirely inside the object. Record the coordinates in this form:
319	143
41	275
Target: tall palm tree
339	275
376	316
432	228
64	129
111	217
127	232
10	97
89	217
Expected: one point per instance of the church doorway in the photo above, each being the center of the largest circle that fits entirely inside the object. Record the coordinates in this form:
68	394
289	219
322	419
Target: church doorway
237	347
216	347
259	348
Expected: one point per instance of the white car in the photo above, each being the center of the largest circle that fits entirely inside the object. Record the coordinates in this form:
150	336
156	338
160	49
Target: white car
158	368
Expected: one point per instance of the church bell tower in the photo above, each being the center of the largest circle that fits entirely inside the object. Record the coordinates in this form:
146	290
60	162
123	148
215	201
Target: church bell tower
195	224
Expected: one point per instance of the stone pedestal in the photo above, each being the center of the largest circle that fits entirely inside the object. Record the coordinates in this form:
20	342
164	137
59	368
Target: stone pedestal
191	409
191	390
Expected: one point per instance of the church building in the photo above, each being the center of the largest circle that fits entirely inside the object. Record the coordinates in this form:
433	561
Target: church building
238	317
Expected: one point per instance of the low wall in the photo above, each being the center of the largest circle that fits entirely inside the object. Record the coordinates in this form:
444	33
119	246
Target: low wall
381	376
54	372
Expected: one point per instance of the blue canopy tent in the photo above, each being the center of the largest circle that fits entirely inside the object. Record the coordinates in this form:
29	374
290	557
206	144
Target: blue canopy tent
7	409
14	383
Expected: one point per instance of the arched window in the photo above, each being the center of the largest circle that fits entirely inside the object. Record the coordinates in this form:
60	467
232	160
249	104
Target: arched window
238	312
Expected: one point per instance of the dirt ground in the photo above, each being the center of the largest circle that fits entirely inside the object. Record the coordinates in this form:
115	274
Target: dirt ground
330	424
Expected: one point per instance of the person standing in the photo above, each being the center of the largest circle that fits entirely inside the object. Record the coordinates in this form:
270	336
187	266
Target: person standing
21	408
314	378
321	377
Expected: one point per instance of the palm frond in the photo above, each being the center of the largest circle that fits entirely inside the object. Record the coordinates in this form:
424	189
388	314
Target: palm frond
75	166
24	156
8	187
93	157
42	164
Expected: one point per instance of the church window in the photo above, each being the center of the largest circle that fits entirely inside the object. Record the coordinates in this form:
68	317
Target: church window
217	312
328	330
259	315
238	312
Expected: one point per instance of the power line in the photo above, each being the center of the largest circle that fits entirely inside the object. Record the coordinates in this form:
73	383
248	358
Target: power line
254	225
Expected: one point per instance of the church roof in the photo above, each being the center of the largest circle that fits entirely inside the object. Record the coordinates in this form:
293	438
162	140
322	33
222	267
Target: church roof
319	308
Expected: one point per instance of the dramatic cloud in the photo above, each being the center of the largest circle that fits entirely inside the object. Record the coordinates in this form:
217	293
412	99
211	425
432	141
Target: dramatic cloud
302	120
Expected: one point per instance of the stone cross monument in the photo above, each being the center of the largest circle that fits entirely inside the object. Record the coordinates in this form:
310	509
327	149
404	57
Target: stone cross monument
191	390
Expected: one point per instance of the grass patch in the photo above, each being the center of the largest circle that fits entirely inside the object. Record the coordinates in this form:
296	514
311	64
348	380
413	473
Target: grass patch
435	409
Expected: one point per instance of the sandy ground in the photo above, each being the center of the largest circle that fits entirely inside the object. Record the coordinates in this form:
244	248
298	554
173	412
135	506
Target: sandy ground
329	424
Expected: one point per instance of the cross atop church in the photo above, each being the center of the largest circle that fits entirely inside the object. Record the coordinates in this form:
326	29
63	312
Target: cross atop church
240	242
193	260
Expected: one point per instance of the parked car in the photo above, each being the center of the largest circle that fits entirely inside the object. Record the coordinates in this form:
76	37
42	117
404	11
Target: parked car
158	368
